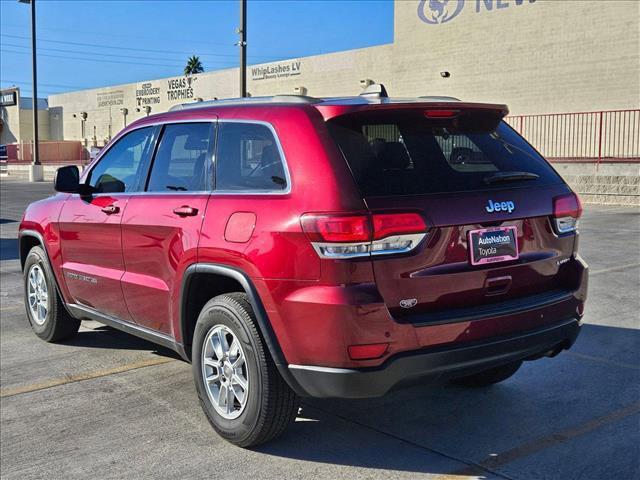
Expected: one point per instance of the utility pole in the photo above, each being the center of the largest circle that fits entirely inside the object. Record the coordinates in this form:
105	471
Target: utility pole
242	31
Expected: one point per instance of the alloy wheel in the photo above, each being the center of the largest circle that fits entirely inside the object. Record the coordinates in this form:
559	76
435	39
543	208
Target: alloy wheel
37	294
224	372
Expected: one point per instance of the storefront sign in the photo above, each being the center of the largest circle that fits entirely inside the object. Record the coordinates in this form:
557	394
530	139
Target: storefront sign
8	98
277	70
435	12
180	88
110	99
147	94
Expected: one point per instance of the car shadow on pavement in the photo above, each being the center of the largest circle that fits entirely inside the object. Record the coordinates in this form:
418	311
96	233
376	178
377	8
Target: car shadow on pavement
8	248
551	409
105	337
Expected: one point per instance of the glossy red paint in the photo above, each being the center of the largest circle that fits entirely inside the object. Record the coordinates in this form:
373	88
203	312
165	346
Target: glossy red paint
317	307
157	249
240	227
91	247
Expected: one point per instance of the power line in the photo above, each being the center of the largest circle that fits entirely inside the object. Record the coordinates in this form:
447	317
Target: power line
93	33
95	45
179	62
4	80
95	59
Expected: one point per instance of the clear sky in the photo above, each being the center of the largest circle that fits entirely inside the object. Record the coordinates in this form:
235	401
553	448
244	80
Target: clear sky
86	44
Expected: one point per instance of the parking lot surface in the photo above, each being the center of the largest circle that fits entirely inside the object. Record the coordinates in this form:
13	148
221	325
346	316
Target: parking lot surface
108	405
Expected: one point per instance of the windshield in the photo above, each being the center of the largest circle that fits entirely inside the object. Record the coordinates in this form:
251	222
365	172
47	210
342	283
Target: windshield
408	154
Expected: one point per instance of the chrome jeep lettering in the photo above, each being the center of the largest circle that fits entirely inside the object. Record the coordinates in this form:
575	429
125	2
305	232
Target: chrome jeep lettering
500	206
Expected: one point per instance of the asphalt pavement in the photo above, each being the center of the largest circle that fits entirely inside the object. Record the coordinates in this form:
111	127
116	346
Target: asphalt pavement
108	405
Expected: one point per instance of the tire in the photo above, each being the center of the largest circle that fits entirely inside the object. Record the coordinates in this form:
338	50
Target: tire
49	319
489	377
262	411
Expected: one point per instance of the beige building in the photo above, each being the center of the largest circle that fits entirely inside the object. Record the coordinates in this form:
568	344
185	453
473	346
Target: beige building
16	117
538	56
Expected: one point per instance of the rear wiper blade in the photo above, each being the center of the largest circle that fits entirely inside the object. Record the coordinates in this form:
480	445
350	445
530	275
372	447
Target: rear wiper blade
510	177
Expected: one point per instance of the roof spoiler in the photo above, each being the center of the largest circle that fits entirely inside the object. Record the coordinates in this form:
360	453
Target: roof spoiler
375	90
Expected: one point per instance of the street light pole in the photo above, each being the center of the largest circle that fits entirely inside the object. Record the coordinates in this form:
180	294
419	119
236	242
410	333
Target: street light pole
35	173
36	156
243	48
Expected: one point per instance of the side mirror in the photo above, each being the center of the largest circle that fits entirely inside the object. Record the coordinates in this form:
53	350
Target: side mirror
67	179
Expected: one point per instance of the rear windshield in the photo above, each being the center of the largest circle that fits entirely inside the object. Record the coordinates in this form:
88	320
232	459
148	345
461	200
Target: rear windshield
408	154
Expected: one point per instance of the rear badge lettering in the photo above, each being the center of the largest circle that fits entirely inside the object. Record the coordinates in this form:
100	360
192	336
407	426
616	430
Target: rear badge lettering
408	302
500	206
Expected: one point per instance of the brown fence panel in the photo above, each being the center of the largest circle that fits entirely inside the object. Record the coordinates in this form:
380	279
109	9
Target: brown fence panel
66	152
605	136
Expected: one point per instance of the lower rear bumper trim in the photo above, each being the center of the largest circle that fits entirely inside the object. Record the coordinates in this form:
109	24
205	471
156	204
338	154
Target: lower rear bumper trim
443	362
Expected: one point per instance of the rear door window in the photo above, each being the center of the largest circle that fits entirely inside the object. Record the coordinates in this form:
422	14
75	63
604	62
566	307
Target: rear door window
248	159
183	160
408	154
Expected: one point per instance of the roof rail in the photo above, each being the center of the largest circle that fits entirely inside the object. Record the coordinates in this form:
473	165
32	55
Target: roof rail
285	98
440	98
375	90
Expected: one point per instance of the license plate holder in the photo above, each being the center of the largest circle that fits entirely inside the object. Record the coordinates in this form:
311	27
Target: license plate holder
493	245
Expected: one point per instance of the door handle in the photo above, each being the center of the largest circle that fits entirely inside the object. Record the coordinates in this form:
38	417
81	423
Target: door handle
111	209
185	211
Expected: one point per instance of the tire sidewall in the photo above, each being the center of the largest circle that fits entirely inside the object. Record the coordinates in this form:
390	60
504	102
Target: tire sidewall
238	429
36	257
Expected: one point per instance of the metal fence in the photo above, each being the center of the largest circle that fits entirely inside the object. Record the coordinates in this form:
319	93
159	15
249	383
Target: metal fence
64	152
594	137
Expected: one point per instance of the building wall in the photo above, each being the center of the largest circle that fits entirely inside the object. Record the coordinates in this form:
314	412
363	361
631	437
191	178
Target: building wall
538	56
18	120
26	125
10	115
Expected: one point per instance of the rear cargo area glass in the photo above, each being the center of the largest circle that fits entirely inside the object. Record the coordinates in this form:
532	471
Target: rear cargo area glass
391	153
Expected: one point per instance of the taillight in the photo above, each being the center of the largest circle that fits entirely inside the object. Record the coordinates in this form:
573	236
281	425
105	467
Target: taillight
348	236
441	113
387	224
330	228
567	209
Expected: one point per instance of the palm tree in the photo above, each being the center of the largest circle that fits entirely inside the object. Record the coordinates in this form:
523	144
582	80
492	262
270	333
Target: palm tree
193	65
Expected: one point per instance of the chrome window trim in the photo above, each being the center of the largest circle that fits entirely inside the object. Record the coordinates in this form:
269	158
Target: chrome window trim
213	191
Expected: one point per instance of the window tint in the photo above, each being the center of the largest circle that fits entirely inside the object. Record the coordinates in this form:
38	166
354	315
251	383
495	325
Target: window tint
404	154
248	159
121	169
183	160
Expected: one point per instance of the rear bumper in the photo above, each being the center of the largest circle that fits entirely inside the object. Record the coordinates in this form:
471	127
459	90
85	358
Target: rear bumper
432	363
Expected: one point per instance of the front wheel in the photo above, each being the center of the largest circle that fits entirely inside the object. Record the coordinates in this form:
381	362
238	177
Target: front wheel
489	377
46	312
244	397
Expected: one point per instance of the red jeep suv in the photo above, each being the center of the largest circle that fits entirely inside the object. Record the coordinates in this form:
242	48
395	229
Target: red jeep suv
291	246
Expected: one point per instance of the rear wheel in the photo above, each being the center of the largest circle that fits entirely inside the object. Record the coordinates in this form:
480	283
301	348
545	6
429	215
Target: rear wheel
244	397
489	377
46	312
